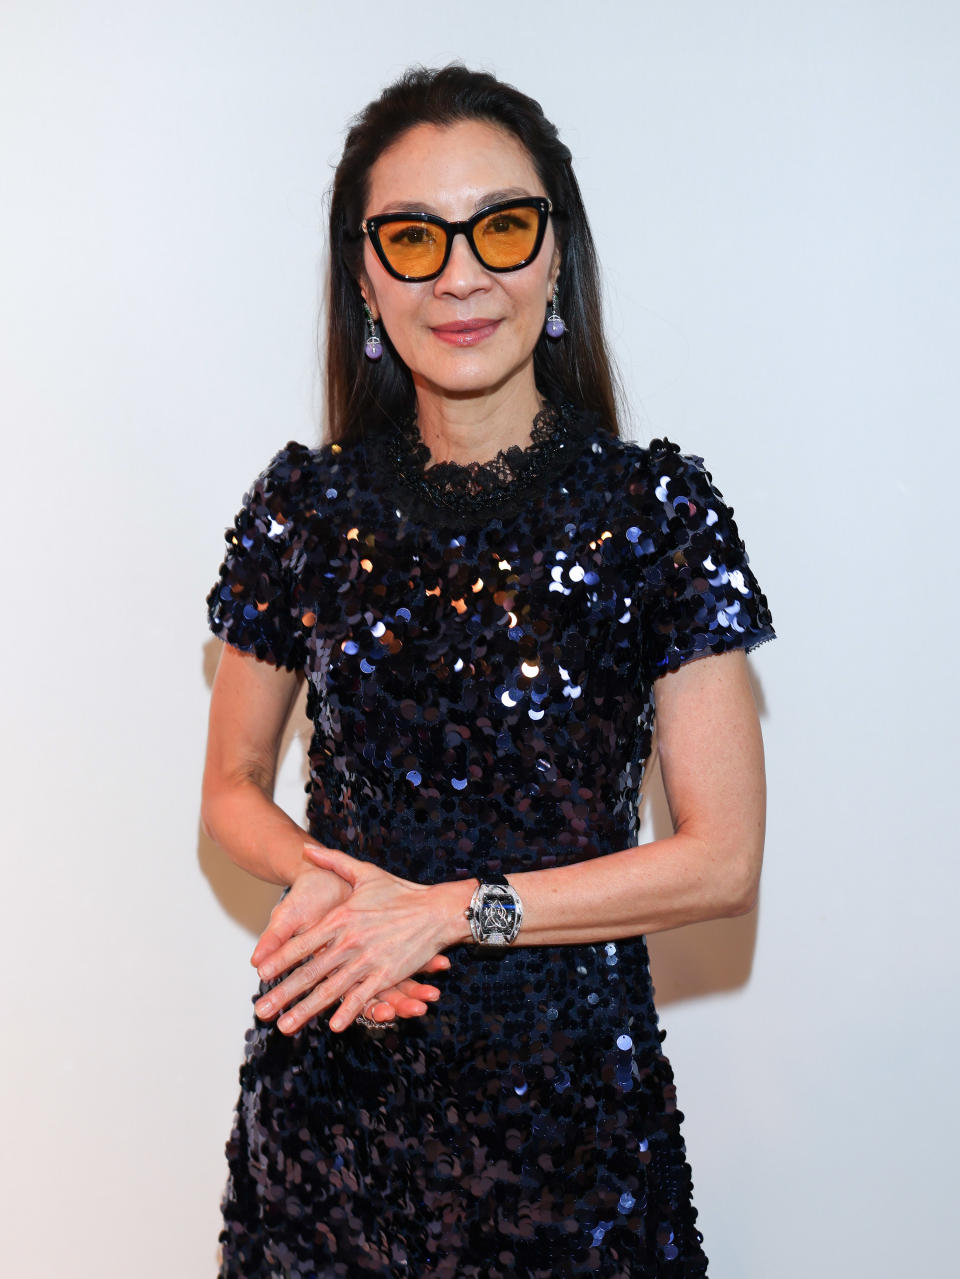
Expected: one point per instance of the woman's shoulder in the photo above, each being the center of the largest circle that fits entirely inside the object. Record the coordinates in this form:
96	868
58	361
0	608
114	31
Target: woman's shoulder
641	456
295	462
661	498
299	476
679	534
659	469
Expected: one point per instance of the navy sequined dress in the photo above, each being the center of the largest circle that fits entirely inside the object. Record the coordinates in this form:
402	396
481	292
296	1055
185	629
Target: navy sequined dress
481	646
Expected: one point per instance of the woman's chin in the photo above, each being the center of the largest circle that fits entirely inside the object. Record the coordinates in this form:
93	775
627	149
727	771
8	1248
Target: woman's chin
470	379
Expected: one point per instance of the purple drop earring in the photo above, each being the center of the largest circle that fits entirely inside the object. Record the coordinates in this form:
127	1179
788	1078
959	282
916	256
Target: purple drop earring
555	325
373	347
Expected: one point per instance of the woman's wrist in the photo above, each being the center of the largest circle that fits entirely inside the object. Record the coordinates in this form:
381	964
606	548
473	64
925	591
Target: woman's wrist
449	900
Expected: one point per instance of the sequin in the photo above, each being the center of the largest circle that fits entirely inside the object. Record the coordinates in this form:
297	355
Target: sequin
469	716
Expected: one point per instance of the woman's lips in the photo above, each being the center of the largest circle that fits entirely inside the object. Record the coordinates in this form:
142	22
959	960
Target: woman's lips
465	332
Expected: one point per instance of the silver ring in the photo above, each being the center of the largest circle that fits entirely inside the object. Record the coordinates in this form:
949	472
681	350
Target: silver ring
369	1022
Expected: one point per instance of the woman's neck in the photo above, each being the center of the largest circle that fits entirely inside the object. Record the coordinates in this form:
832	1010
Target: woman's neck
466	429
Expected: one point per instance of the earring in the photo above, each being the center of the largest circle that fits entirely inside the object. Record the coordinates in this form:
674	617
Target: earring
373	347
555	325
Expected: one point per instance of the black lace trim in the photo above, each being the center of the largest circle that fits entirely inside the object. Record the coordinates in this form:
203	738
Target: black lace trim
473	493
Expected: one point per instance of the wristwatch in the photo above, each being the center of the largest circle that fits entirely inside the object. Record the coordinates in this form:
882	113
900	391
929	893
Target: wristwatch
495	911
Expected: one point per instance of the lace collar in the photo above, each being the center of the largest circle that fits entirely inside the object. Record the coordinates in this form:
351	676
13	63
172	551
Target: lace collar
475	492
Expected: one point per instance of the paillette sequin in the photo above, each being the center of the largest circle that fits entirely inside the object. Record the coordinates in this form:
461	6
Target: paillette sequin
482	697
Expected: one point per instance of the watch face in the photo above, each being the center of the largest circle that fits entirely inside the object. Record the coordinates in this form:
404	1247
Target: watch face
498	917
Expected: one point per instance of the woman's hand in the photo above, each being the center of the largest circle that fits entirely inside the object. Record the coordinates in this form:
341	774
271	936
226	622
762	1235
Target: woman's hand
284	942
368	945
309	898
251	703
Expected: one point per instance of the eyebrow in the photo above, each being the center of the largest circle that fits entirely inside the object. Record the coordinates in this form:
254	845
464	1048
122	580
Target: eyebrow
423	206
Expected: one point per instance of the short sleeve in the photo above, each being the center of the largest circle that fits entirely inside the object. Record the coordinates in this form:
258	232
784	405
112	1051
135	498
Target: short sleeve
700	594
254	604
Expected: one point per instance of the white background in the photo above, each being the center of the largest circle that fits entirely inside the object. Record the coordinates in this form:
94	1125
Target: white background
774	190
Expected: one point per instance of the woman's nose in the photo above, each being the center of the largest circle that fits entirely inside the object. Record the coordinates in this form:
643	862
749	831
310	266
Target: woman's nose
464	273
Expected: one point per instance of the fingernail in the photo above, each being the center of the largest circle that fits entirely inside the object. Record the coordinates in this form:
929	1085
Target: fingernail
286	1022
266	972
264	1008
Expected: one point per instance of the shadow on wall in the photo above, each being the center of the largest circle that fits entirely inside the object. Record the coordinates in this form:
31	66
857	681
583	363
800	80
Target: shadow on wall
700	959
686	963
246	899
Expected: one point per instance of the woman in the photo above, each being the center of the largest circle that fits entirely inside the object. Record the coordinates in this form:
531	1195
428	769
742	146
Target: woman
489	594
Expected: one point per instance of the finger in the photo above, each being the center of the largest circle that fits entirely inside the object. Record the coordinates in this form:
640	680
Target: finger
388	1006
382	1010
342	864
385	1005
310	975
279	930
358	993
303	946
439	964
404	1003
266	948
407	1008
298	948
351	1006
414	989
408	998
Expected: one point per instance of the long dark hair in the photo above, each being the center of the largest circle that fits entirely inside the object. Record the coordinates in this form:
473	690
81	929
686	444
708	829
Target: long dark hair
576	369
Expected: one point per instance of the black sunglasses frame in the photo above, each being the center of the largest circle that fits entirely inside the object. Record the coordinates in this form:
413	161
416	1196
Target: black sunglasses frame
371	227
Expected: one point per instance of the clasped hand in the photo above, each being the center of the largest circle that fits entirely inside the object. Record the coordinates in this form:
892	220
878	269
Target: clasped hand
362	938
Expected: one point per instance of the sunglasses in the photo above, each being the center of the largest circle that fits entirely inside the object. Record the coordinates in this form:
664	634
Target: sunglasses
416	246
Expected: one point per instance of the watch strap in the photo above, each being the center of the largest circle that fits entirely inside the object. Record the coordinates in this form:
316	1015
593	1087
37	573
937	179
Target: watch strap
493	877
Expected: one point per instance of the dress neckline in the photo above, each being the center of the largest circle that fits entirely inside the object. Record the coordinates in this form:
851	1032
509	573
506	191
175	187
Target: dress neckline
473	492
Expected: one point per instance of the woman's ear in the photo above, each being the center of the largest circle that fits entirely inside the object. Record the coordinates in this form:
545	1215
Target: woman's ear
554	273
368	295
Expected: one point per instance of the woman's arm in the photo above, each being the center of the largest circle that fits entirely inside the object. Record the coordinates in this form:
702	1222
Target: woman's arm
249	708
711	759
712	764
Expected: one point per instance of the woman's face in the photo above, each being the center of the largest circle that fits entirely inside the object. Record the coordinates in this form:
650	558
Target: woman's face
470	330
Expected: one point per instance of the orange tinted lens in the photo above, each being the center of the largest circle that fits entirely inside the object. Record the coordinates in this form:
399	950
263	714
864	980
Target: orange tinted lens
413	248
506	238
